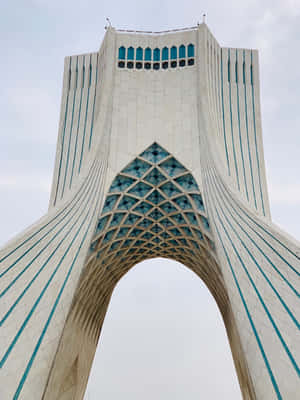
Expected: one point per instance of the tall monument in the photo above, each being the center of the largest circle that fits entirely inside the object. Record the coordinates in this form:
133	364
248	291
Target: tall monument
159	154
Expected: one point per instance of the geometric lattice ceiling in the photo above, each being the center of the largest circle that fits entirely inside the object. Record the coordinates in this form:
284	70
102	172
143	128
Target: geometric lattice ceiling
153	209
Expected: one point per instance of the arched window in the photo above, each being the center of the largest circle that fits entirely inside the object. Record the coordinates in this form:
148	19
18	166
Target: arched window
173	53
130	53
148	54
139	54
165	54
182	51
122	53
244	72
191	50
156	54
236	72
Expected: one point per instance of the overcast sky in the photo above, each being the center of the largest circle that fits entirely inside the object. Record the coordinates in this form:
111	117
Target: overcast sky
163	337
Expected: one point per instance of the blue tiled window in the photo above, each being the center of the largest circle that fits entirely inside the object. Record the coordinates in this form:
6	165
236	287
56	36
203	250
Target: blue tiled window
165	54
139	54
173	53
182	51
191	50
156	54
130	53
122	53
148	54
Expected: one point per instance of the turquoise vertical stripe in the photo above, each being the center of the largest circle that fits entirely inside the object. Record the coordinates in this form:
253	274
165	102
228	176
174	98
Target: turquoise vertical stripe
232	138
278	333
70	135
35	257
63	141
11	346
239	123
286	348
247	130
77	132
92	123
255	139
74	200
225	195
224	130
269	234
85	121
261	348
254	260
29	365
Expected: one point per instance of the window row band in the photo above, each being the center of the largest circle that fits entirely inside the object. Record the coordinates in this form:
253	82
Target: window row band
156	65
157	54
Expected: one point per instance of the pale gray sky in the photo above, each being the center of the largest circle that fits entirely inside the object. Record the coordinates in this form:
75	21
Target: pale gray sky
163	337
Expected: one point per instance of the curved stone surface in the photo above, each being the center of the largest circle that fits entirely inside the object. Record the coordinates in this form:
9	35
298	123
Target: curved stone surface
159	154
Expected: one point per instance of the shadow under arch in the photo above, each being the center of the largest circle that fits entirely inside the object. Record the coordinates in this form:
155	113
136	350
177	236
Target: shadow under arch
154	208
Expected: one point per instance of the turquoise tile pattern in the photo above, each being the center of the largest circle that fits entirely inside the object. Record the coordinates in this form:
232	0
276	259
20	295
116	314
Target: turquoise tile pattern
154	209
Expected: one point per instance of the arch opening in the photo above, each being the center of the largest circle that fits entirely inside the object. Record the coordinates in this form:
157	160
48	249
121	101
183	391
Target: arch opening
153	208
162	323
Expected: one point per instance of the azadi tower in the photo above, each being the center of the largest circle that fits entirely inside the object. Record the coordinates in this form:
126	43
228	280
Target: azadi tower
159	154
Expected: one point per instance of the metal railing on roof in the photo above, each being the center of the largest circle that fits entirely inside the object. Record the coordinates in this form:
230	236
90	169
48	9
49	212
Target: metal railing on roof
157	32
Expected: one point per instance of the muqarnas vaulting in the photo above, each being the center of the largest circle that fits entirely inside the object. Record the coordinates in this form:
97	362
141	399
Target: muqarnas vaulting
159	154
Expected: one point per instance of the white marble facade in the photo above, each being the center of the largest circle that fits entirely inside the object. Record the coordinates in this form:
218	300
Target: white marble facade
152	160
